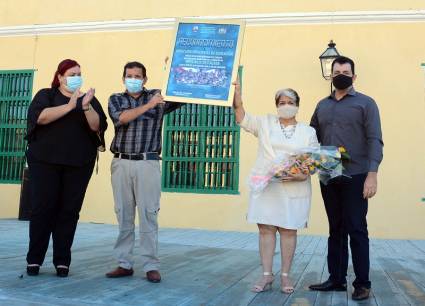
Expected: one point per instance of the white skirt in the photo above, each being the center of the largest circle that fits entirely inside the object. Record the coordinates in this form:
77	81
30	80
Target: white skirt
273	206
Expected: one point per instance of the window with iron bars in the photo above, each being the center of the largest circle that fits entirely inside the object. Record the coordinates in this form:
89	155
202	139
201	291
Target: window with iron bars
201	150
15	98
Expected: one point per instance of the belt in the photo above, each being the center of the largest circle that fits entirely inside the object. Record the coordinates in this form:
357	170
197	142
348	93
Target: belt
141	156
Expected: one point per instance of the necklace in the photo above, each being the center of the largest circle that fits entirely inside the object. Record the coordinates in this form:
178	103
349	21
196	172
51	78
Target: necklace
288	131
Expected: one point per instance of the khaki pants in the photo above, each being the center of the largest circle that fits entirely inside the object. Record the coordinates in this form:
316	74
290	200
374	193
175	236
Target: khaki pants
136	184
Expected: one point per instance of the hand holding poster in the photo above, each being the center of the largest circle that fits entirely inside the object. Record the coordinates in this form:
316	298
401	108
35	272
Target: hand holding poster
204	62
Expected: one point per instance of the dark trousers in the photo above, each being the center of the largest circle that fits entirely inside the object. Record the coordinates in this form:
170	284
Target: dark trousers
57	194
347	209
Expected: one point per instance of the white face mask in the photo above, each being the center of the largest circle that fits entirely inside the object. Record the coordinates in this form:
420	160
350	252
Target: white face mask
287	111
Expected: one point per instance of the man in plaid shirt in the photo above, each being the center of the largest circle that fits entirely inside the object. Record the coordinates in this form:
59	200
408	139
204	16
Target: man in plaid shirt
137	115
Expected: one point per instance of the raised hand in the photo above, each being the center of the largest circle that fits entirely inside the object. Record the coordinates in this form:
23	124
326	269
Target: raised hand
237	98
73	100
155	100
88	97
237	102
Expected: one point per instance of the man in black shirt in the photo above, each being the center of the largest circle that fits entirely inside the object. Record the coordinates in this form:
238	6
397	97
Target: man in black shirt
351	120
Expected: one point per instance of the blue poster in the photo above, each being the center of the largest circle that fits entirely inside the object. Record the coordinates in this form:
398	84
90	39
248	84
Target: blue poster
202	61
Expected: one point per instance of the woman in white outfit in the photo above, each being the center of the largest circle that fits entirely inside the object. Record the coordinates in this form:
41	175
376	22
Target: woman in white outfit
282	206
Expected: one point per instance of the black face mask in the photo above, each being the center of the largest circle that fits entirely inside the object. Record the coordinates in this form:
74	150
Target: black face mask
342	81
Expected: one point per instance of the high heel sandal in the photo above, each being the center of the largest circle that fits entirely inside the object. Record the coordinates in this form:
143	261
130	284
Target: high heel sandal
33	269
286	289
62	271
264	285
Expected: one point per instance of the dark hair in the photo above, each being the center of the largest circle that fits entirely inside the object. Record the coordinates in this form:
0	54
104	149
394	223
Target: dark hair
130	65
62	68
343	60
287	92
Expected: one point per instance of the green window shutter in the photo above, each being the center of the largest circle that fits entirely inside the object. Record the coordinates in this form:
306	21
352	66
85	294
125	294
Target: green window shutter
15	97
201	150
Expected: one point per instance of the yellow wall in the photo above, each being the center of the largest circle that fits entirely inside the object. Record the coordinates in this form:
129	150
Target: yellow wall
46	11
388	57
9	200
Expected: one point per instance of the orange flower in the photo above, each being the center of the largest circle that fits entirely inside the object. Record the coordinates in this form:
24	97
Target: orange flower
294	170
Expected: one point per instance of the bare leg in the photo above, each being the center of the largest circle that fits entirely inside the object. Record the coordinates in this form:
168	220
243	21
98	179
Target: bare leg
267	245
288	243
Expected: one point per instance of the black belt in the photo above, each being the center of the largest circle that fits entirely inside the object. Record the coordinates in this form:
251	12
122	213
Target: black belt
141	156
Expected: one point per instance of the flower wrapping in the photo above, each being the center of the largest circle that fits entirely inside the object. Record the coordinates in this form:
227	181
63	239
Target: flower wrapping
326	161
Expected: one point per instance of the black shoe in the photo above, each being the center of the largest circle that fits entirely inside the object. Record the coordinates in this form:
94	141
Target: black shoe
328	286
33	270
62	271
360	293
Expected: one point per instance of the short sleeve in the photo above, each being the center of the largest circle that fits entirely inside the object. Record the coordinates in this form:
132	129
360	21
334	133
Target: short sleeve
41	100
313	142
250	124
116	107
103	124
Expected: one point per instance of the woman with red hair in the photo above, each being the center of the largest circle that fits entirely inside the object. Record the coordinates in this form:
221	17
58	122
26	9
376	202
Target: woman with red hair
65	130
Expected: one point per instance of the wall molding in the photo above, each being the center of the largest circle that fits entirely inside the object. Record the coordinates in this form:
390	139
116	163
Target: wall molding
277	19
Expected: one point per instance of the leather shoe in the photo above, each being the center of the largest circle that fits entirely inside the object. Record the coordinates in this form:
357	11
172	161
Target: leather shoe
62	271
120	272
153	276
360	293
33	270
328	286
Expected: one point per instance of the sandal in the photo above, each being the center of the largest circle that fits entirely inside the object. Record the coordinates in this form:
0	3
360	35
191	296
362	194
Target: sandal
264	284
286	289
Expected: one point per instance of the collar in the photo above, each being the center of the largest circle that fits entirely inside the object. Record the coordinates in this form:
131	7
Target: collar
351	92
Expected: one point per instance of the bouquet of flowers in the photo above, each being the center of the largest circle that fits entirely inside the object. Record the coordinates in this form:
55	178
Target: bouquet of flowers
326	161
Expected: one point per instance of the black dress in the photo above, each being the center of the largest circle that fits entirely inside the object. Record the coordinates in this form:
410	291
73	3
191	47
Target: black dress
61	156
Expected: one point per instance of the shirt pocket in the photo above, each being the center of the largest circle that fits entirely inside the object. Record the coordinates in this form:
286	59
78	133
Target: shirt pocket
125	104
356	113
325	116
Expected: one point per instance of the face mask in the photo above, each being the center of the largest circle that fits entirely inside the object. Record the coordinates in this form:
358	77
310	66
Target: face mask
133	85
287	111
74	82
342	81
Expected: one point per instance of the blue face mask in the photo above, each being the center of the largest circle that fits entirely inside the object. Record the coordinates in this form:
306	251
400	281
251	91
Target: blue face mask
133	85
74	82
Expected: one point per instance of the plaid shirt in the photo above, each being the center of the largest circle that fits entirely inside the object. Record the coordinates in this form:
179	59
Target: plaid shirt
143	134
